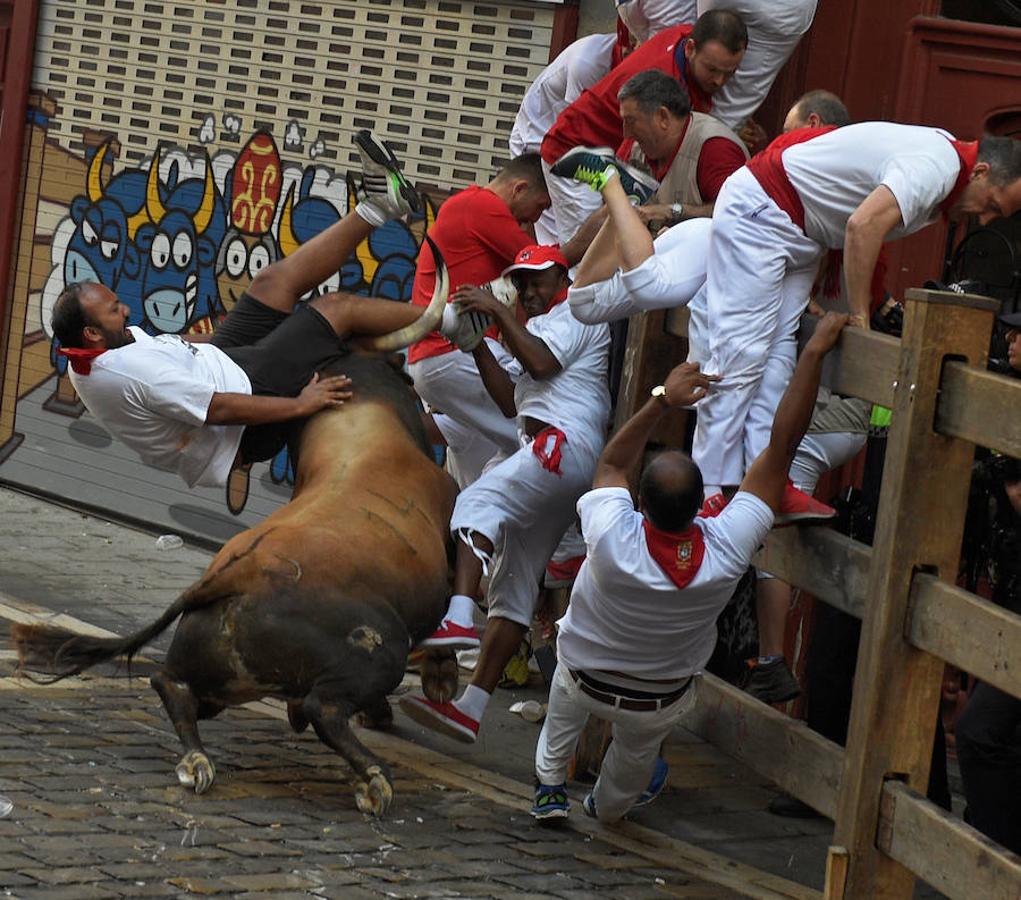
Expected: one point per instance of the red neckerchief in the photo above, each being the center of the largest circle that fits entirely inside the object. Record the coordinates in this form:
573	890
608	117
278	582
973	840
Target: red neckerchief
80	358
679	554
549	458
967	152
767	167
557	300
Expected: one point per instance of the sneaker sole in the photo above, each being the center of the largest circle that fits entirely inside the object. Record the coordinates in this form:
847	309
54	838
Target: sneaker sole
452	643
550	814
382	155
425	716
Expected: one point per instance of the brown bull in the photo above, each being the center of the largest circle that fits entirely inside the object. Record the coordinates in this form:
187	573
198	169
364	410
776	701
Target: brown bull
320	603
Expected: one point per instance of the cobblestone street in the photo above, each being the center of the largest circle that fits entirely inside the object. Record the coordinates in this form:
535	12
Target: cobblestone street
88	764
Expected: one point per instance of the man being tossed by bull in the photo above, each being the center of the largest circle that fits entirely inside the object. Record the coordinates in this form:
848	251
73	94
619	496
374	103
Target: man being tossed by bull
189	406
509	522
641	623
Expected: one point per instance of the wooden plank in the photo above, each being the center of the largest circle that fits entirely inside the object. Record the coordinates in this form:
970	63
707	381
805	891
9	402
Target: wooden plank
967	631
785	750
827	564
920	525
972	406
951	856
863	364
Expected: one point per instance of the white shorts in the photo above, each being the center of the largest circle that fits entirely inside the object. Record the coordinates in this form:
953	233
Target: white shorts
451	385
524	509
571	203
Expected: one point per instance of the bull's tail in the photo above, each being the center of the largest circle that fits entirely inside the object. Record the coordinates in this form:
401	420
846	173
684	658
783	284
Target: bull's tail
63	653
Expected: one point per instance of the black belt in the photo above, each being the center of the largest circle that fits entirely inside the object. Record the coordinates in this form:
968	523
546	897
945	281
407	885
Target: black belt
649	703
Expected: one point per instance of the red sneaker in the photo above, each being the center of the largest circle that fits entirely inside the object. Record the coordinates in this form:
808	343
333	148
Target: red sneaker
713	506
452	636
797	506
442	717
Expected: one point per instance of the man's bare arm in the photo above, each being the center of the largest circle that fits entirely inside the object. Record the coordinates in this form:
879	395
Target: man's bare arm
248	409
867	228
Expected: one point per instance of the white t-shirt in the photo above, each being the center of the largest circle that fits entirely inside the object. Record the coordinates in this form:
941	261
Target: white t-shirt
626	615
834	173
576	399
577	68
153	395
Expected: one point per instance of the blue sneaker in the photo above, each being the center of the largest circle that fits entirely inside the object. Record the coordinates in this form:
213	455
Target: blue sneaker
595	166
589	805
656	784
551	802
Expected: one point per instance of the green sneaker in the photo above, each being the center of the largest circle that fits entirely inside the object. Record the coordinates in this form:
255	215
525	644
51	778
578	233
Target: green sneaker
551	802
596	166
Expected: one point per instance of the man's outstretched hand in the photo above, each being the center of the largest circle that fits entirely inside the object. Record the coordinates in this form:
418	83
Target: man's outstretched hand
827	332
320	393
686	385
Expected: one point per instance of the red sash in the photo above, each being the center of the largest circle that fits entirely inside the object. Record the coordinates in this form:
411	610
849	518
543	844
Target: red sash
678	555
80	358
549	458
967	151
767	167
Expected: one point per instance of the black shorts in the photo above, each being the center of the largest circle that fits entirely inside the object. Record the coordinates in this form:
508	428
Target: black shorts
279	352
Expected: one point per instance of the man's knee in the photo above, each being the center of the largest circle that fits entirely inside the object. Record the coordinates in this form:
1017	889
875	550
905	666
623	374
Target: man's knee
272	284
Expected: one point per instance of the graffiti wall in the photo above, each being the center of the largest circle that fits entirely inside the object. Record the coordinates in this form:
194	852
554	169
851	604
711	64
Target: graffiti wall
159	165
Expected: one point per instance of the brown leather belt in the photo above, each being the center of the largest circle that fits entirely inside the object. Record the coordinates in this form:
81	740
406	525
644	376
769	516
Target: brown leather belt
622	701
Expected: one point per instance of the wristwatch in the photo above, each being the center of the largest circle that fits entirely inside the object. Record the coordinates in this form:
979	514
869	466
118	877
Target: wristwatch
676	212
659	393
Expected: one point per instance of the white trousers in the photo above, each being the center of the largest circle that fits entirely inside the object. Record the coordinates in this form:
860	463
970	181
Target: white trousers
631	757
524	509
774	29
571	203
451	384
671	277
759	275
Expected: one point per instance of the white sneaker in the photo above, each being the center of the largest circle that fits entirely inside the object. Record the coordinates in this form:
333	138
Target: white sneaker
388	194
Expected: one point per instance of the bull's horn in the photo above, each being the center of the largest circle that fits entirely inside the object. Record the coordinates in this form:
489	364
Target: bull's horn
95	178
431	315
153	204
204	214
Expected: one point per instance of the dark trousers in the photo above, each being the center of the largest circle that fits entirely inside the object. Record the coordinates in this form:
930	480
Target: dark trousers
832	657
989	750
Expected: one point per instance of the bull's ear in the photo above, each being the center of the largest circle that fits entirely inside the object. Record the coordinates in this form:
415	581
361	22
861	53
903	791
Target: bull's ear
131	262
207	251
78	208
144	236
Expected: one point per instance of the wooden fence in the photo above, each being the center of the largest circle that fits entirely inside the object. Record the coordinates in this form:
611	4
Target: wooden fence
913	617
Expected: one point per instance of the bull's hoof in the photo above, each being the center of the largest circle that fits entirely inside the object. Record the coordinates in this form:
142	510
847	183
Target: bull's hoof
439	675
196	770
376	796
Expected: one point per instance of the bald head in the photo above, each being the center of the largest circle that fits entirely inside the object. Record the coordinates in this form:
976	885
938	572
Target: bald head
817	108
670	490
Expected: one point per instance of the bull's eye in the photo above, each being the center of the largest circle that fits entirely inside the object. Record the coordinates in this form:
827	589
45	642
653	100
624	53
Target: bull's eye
160	252
109	248
89	234
237	256
258	260
182	250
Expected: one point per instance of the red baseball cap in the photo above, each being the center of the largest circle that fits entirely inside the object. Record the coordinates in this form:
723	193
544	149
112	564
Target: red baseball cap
537	257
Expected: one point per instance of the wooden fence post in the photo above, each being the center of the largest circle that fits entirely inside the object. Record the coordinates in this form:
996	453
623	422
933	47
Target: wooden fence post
920	524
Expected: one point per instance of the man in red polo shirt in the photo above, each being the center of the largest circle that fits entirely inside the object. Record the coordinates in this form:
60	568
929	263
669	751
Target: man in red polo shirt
702	57
479	231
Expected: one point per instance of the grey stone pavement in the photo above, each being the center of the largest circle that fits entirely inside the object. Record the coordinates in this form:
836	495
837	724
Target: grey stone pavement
88	764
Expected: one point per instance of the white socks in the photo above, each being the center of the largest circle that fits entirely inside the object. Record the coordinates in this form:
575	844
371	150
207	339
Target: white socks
461	611
371	213
473	702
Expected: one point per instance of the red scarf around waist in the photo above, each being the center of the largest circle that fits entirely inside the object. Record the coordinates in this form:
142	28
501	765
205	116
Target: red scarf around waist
767	167
679	554
967	152
79	358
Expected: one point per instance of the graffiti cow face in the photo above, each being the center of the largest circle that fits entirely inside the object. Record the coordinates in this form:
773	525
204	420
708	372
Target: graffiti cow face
241	258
